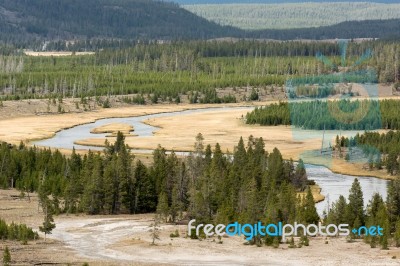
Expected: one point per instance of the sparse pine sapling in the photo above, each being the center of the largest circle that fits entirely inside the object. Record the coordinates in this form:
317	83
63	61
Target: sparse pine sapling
155	230
48	223
6	257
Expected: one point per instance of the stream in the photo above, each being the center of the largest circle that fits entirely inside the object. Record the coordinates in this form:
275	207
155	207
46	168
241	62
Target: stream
332	185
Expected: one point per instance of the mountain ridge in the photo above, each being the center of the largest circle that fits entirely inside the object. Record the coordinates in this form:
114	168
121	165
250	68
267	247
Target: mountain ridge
23	21
186	2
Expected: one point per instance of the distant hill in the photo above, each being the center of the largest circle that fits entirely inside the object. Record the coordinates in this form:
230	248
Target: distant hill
187	2
23	22
129	19
294	15
345	30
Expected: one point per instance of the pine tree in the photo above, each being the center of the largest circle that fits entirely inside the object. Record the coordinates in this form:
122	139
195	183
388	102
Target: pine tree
275	167
145	195
299	179
112	186
176	205
356	204
6	257
382	219
393	201
310	212
93	196
391	163
397	234
162	206
48	223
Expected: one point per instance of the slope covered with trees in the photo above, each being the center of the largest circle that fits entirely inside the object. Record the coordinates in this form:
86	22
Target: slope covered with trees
126	19
24	22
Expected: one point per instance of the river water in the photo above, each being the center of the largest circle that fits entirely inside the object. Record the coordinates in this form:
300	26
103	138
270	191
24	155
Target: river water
332	185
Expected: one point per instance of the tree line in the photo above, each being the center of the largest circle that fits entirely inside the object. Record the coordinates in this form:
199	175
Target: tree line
174	70
322	114
386	214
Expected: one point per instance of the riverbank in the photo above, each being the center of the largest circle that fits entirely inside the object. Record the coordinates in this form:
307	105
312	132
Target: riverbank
177	132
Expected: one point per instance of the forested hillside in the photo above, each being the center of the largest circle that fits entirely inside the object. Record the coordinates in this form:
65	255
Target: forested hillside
345	30
289	16
25	22
128	19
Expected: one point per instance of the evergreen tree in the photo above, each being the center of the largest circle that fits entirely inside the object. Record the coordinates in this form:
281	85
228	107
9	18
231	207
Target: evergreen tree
93	196
275	167
383	220
48	223
356	204
310	212
299	179
6	257
393	201
162	206
145	197
397	234
337	214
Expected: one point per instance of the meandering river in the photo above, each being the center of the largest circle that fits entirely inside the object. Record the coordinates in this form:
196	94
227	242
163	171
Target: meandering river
332	185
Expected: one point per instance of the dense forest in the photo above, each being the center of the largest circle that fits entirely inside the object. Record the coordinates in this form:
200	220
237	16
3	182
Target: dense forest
208	184
329	115
128	19
249	185
252	16
23	22
172	70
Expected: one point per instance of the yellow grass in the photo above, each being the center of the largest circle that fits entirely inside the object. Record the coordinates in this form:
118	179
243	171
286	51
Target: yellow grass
113	129
178	132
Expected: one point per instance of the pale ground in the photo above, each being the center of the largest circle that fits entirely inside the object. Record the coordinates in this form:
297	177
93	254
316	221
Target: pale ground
55	53
125	240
